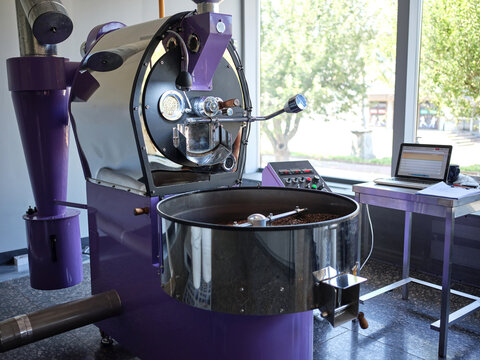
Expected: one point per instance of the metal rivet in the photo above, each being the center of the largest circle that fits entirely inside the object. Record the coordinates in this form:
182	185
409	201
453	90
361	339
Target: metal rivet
282	289
135	108
162	62
281	310
147	107
242	289
242	310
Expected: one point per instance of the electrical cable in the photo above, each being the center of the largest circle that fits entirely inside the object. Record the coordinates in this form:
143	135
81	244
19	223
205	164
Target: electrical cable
373	238
247	105
184	50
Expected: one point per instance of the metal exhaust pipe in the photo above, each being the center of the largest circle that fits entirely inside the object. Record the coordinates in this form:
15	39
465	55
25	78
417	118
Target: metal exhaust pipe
206	6
27	328
48	19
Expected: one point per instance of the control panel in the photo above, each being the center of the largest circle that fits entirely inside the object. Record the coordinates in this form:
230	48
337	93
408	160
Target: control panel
293	174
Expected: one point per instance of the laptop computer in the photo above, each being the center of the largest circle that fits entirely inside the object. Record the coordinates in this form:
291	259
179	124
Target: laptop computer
419	166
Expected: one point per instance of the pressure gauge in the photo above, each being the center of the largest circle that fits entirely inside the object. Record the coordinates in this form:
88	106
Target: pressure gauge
171	105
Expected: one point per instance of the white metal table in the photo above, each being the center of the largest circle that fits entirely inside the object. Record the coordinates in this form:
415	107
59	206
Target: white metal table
408	201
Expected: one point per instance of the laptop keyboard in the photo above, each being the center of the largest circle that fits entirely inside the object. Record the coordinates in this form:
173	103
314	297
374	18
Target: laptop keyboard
404	183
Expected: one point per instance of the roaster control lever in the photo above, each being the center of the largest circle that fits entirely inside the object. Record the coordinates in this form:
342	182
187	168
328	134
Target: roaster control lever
295	104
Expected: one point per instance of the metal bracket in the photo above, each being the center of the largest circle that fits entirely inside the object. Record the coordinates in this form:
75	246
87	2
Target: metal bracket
337	295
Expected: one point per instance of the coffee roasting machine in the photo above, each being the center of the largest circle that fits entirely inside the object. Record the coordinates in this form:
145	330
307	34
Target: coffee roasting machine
185	262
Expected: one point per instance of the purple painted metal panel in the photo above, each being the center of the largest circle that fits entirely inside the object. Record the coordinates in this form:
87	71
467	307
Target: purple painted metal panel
71	68
43	123
84	86
203	64
36	73
40	98
54	250
155	326
270	178
98	31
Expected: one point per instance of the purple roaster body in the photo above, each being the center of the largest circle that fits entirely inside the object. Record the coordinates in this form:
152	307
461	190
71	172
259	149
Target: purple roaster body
125	256
39	87
213	43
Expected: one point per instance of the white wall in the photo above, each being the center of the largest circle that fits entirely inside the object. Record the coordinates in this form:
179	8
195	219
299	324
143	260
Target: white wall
15	189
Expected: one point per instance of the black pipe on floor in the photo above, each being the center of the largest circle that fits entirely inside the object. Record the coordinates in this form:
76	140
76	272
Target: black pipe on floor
27	328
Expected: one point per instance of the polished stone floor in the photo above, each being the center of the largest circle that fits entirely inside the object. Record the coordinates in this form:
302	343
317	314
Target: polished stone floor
398	329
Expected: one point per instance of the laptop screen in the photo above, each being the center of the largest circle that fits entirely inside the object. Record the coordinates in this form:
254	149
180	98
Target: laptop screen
422	161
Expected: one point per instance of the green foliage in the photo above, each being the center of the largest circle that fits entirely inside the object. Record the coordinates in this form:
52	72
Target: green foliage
323	50
450	59
313	47
346	159
471	168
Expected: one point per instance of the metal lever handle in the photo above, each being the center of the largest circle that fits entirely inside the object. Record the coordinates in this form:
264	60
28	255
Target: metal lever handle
295	104
261	220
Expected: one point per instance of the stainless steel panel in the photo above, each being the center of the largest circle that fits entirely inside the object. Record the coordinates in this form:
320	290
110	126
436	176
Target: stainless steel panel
103	124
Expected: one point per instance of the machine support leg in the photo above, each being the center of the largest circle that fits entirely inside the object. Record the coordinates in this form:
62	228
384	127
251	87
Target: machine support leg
446	278
407	237
106	339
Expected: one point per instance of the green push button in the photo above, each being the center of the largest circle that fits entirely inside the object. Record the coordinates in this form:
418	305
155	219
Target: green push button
314	186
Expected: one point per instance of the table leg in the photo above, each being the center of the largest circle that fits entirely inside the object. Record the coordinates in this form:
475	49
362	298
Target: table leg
407	236
446	278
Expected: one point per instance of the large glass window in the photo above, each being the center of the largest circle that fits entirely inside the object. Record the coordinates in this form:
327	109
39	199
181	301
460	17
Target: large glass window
341	55
449	90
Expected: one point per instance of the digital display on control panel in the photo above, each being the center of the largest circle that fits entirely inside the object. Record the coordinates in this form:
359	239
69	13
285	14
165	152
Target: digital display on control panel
293	174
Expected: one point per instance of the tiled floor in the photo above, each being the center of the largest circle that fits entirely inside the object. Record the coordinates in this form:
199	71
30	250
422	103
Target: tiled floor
398	329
